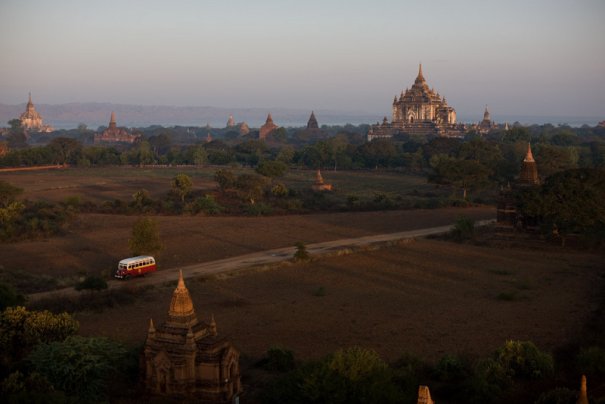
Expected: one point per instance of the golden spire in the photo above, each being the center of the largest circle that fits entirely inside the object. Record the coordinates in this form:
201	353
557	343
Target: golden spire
212	325
583	398
318	178
151	327
420	76
529	158
181	306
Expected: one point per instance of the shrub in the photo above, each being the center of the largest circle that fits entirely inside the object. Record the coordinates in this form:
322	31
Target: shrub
92	282
592	360
9	296
451	368
208	205
278	360
560	395
145	237
464	229
79	366
258	209
523	360
301	253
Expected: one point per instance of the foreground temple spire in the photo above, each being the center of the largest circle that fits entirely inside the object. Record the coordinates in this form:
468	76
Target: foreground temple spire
420	76
185	357
583	397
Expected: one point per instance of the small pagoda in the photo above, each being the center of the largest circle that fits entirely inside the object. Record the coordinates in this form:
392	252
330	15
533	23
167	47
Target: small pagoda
319	185
507	211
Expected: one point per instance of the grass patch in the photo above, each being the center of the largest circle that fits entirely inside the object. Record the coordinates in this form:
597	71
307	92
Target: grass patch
92	301
508	296
501	272
319	292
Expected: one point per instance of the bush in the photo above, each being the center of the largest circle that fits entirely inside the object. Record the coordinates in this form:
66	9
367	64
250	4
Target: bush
592	361
464	229
258	209
301	253
559	395
523	360
79	366
451	368
208	205
9	296
278	360
92	282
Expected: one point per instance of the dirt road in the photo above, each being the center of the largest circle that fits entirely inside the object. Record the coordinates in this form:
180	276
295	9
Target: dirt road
257	259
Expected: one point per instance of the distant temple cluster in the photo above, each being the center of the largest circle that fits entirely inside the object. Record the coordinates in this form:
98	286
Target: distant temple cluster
31	120
114	134
419	110
242	126
188	358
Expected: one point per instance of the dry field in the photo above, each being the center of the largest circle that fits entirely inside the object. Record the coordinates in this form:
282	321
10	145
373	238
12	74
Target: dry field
426	297
95	242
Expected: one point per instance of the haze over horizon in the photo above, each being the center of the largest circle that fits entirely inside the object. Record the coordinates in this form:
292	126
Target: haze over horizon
536	58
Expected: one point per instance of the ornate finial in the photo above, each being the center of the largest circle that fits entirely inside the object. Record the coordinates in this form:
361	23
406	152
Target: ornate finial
529	157
30	97
181	307
181	284
151	327
212	325
583	398
420	71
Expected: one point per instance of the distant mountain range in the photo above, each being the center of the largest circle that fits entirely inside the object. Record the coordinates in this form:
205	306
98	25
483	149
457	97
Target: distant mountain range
94	114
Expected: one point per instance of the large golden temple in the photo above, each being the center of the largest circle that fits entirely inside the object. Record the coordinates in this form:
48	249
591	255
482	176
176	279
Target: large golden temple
419	110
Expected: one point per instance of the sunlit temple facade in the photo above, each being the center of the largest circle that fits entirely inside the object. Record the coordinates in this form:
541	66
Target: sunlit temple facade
31	120
418	110
185	357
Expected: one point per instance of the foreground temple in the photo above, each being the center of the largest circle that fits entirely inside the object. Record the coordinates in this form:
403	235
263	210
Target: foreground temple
31	120
185	357
419	110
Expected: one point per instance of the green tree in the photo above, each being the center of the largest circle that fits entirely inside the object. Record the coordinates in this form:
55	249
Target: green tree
464	174
272	169
572	202
16	139
145	237
181	185
65	150
79	366
225	179
8	193
21	329
352	375
9	296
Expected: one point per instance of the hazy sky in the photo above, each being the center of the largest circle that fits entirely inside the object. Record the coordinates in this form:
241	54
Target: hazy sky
526	57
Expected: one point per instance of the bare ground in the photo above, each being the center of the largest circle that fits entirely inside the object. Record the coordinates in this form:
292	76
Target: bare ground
426	298
96	242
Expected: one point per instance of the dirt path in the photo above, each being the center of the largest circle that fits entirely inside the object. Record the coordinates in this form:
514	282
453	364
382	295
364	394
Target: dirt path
257	259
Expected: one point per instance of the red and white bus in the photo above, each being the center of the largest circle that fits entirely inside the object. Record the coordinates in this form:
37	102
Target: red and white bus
135	266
